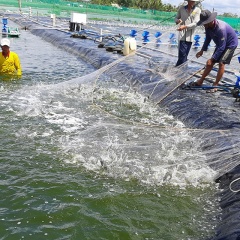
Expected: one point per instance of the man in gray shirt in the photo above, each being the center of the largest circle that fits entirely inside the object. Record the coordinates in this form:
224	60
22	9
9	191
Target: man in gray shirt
187	19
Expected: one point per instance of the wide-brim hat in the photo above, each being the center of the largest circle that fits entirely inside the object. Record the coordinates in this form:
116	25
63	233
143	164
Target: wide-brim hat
206	17
5	42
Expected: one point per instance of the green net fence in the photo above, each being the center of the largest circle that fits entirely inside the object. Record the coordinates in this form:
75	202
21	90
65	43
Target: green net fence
234	22
100	12
94	11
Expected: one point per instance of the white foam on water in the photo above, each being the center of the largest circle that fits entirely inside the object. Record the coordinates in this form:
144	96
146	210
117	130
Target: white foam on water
113	132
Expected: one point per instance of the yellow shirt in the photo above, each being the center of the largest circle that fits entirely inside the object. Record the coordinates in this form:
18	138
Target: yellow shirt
10	65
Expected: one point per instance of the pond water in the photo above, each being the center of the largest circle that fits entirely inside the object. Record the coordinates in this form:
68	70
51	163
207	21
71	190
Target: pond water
70	170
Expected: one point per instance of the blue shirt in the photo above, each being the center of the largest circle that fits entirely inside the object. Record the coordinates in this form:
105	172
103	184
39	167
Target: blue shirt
223	36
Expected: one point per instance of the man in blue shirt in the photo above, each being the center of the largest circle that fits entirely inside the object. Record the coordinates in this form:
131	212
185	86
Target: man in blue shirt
226	40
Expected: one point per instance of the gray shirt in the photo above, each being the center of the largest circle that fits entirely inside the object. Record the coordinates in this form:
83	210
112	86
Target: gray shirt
190	20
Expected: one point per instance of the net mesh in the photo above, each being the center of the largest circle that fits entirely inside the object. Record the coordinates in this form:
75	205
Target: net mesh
218	141
213	121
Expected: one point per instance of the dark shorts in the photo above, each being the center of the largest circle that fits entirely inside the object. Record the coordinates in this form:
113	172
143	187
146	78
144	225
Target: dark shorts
227	55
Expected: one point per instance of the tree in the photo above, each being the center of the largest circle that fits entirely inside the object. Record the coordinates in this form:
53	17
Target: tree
142	4
125	3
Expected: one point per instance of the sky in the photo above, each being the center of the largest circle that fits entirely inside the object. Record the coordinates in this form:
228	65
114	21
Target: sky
220	6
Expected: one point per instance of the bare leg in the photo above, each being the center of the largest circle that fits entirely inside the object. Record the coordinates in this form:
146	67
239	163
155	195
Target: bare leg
220	73
205	73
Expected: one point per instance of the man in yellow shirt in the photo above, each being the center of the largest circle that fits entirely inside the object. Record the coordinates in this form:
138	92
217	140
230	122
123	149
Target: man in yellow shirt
9	61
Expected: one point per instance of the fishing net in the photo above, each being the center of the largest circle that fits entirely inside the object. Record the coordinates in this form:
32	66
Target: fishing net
215	130
213	121
151	73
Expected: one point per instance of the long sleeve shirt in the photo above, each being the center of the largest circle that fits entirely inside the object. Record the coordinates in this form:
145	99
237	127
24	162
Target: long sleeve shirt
190	20
223	35
10	65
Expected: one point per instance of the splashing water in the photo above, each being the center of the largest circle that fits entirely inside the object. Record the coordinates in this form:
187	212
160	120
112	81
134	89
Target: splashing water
89	157
115	132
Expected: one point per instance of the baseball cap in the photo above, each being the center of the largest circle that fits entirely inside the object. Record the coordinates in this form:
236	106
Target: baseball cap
5	42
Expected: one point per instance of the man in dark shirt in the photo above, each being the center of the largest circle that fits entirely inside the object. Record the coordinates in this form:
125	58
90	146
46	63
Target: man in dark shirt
226	40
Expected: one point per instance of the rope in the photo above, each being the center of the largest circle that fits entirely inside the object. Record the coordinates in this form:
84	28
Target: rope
230	185
178	67
181	82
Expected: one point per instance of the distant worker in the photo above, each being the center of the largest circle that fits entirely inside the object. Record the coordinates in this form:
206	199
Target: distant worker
187	19
226	40
9	61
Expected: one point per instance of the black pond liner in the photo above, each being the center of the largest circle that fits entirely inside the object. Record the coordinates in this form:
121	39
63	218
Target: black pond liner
217	116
